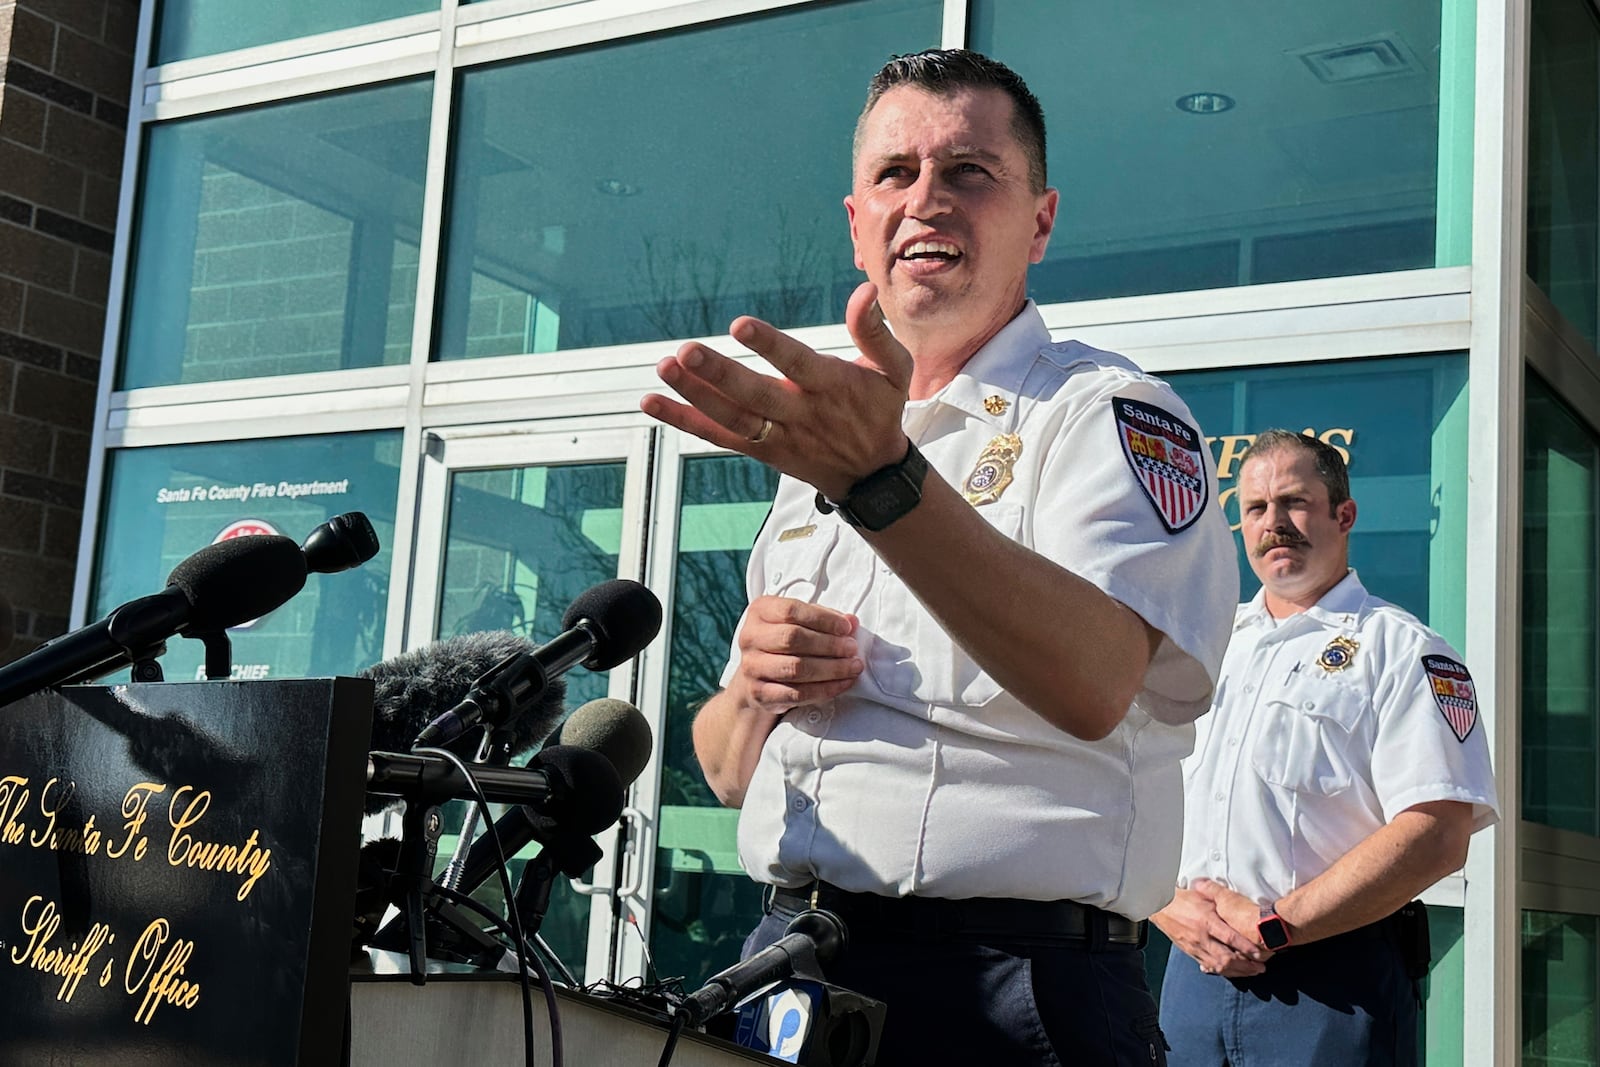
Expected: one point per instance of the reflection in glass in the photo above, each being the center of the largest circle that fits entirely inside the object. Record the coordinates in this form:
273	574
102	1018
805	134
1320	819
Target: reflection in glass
165	503
704	904
625	193
1560	632
1560	987
278	240
1348	150
1564	160
1402	423
189	28
521	544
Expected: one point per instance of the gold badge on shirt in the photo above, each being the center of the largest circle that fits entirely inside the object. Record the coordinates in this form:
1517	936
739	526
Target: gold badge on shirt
996	404
993	471
1339	654
796	533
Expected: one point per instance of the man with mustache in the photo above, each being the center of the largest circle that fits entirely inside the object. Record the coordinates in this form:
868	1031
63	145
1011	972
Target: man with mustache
1340	773
989	600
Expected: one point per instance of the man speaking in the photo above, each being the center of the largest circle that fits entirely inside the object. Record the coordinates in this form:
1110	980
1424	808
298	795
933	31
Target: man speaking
991	597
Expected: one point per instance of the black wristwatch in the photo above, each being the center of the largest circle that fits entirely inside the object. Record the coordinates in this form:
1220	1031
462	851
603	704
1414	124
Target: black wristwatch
882	496
1273	930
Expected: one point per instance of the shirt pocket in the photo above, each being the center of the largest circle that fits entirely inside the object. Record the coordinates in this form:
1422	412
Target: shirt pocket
1306	744
796	568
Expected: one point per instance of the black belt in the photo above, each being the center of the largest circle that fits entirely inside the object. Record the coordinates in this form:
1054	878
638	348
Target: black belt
867	915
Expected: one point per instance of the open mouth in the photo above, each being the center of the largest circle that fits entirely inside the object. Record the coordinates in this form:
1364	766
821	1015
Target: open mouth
931	251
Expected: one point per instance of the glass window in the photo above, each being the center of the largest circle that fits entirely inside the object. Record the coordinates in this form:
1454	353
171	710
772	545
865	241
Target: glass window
278	240
163	504
1559	989
1402	424
704	903
189	28
1560	637
1564	159
660	187
1227	143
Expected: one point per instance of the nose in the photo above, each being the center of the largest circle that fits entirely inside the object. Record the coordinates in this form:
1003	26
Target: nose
928	196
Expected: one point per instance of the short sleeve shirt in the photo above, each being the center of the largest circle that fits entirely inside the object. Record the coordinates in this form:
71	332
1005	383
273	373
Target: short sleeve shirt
1327	724
927	777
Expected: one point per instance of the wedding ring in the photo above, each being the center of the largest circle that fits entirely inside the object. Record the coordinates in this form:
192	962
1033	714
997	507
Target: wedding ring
761	434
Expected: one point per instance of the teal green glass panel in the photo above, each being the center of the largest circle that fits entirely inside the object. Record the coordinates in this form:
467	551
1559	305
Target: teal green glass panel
658	187
1560	988
1560	608
521	544
1402	424
165	503
189	28
1564	159
1324	142
704	904
278	240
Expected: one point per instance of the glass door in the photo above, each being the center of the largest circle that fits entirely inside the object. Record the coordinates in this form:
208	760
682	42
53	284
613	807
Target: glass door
515	523
696	904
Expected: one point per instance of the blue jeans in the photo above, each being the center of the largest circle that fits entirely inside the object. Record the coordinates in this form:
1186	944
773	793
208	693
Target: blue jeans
1345	1001
992	1003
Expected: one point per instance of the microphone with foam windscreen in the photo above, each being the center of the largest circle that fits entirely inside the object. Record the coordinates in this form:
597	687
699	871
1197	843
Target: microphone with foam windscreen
220	586
607	624
613	729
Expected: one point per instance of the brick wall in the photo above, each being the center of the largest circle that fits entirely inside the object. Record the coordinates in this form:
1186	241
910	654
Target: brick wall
65	67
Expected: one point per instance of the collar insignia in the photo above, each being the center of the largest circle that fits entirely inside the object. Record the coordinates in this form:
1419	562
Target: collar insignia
993	471
1339	654
996	405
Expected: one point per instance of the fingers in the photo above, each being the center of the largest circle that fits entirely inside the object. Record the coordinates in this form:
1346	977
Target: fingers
870	331
793	653
727	403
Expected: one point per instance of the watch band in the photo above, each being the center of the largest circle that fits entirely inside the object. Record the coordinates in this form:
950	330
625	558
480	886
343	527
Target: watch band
883	496
1273	931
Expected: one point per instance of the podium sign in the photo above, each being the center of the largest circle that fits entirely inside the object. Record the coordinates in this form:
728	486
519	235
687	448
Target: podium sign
177	871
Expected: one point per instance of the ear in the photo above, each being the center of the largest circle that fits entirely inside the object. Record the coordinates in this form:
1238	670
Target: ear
850	213
1346	514
1044	224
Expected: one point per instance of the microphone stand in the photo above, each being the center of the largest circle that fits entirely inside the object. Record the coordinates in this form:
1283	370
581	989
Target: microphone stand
494	750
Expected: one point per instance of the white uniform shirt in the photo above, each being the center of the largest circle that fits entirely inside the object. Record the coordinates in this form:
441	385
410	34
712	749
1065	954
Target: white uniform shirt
926	777
1314	744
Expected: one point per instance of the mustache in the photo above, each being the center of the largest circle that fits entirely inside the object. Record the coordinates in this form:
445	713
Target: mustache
1280	539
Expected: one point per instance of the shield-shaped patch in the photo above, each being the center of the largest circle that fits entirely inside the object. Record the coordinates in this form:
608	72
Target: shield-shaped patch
1453	692
1164	452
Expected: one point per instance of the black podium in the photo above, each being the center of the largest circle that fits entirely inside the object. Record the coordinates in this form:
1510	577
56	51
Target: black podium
177	870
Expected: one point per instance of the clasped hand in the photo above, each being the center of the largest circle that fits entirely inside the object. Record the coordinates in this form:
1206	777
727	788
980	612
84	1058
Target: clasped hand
1215	926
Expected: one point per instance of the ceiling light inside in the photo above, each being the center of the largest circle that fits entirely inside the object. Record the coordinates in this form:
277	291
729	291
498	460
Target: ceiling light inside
1381	57
1205	103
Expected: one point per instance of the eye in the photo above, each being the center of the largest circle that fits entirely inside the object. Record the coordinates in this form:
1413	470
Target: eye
894	172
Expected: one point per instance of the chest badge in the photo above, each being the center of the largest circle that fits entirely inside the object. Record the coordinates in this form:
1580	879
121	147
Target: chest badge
996	404
798	532
993	471
1339	654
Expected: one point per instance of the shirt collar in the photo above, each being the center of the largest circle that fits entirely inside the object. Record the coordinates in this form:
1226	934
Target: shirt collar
998	370
1339	606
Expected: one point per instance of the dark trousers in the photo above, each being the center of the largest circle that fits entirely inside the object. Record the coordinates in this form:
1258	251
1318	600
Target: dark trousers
996	1001
1345	1001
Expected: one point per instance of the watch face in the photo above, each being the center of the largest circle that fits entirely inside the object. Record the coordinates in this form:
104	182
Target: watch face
1274	934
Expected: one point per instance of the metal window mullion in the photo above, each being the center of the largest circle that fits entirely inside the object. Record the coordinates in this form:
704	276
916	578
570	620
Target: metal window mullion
429	248
953	33
1491	1016
116	296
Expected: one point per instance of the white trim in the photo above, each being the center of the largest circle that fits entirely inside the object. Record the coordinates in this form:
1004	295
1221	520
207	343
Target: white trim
331	44
1492	1009
953	29
116	296
247	419
296	386
356	67
547	29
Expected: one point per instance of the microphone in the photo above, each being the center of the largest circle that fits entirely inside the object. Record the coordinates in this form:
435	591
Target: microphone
409	689
612	729
604	626
811	939
220	586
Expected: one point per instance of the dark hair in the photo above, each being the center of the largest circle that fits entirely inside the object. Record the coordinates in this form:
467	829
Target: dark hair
944	70
1331	469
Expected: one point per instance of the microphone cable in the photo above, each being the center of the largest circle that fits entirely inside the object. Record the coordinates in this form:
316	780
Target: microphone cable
518	937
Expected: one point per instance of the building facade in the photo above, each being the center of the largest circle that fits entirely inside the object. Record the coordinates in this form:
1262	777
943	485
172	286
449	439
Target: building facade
418	258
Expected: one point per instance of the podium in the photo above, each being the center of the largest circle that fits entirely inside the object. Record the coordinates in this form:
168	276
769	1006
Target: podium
467	1016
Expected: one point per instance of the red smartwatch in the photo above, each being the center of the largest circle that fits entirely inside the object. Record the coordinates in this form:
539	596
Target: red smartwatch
1274	932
